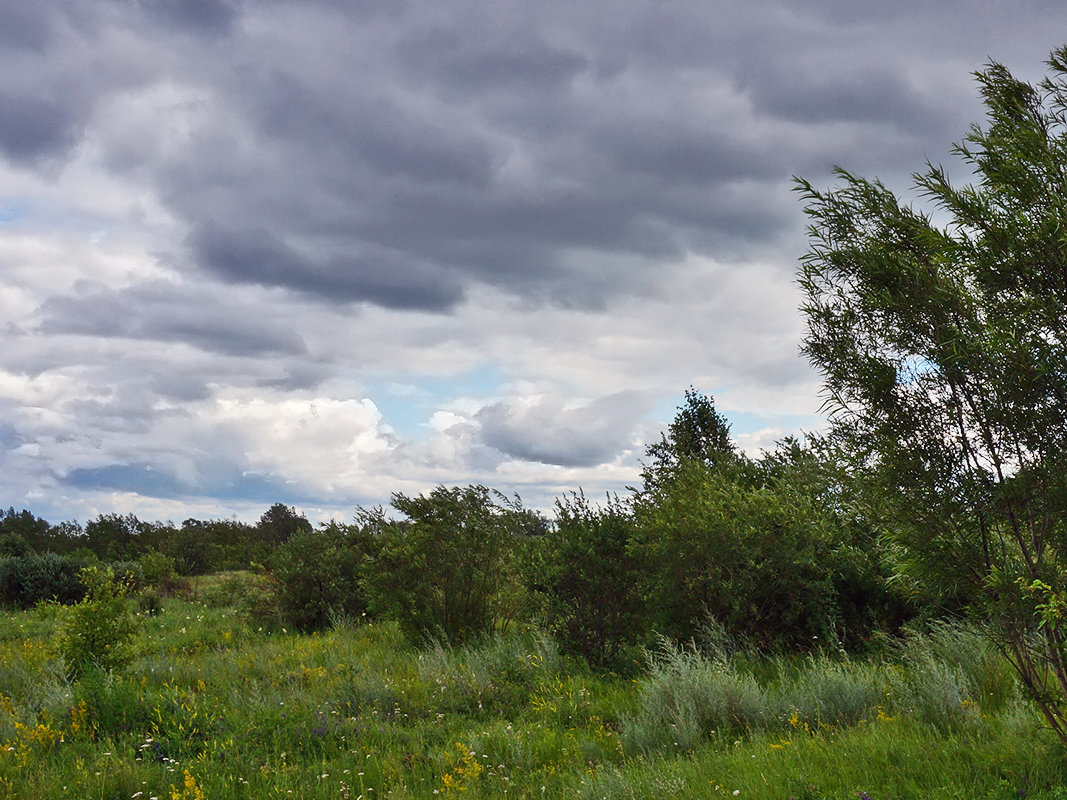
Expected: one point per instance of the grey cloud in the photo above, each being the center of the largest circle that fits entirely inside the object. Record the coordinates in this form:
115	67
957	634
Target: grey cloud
179	386
381	277
551	434
24	25
521	61
381	189
210	17
852	96
218	479
365	129
33	126
167	313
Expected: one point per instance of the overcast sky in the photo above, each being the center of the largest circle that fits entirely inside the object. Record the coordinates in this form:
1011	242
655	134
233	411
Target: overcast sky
318	252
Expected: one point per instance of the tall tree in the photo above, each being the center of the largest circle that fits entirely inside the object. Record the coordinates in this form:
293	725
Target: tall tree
942	338
697	433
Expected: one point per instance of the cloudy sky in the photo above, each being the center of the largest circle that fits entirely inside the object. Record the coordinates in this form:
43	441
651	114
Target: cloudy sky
316	252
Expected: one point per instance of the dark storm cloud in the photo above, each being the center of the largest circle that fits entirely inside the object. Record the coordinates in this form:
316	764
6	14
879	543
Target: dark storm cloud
166	313
31	127
396	154
221	480
397	162
24	25
383	277
206	17
869	96
523	62
548	433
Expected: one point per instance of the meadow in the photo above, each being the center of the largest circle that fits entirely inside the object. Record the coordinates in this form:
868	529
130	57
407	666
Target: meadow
215	704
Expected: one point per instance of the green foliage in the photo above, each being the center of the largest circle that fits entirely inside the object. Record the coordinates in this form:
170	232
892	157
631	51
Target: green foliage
442	572
31	579
588	583
494	676
250	713
697	433
318	575
688	697
21	532
280	523
759	549
943	352
157	567
14	545
150	603
98	631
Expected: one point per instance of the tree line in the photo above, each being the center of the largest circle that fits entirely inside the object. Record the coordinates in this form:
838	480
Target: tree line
774	551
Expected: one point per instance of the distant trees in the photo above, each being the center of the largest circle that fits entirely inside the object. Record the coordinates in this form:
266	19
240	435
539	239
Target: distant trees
698	433
943	347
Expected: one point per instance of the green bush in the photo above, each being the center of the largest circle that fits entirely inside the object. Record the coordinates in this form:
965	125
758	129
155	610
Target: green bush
98	631
150	604
773	550
157	567
496	675
688	697
31	579
319	574
442	572
587	581
827	691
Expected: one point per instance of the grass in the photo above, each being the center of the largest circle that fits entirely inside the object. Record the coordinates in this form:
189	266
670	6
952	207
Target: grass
215	707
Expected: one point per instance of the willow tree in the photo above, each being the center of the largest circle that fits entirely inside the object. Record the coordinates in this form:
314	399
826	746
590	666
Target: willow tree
941	334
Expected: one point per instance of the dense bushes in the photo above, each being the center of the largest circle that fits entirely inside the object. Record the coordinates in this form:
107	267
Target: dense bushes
29	579
777	551
318	575
588	583
444	573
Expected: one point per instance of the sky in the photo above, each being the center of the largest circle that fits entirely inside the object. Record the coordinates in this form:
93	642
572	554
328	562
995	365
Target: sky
317	252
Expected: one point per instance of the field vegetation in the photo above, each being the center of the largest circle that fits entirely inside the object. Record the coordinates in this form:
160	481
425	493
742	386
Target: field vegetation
213	704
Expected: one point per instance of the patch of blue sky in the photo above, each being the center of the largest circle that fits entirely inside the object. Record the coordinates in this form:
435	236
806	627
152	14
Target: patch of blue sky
912	367
407	405
13	212
741	422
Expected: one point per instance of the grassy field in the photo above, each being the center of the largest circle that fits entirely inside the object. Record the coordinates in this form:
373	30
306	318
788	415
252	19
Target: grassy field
214	707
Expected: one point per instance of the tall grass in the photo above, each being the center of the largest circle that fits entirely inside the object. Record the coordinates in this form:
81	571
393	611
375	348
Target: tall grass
947	677
214	707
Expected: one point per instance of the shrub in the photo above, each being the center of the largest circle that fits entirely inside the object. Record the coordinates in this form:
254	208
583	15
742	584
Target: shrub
150	604
258	602
441	572
497	674
98	631
833	692
129	573
774	550
688	697
318	576
588	583
28	580
951	673
157	567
